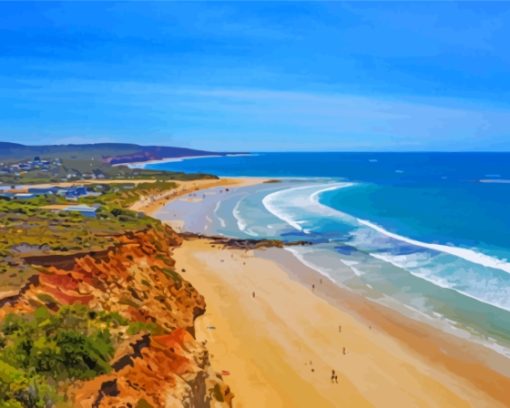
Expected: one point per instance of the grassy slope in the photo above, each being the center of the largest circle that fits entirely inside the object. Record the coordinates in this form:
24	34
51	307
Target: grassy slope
28	229
61	342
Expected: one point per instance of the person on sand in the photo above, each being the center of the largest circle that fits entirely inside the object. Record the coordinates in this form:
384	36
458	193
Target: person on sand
253	295
343	351
339	328
333	375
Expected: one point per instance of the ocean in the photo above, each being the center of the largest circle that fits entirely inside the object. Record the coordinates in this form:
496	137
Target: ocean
427	234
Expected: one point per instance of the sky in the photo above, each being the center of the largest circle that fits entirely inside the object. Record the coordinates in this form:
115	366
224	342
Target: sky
268	76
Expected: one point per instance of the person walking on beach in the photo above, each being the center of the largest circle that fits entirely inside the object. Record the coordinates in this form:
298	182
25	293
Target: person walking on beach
253	295
334	377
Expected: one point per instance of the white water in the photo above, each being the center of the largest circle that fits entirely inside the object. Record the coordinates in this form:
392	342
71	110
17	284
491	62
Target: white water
241	222
311	203
466	254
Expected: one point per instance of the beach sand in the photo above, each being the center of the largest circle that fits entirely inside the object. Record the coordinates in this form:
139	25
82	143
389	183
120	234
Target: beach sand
279	347
276	340
150	205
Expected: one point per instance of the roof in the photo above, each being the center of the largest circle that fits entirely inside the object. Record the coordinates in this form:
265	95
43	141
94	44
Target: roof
81	208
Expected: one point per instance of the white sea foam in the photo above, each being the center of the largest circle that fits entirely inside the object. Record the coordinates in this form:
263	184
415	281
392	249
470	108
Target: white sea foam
301	258
464	253
447	324
309	202
412	265
350	265
495	181
295	205
241	222
490	293
269	202
220	219
209	222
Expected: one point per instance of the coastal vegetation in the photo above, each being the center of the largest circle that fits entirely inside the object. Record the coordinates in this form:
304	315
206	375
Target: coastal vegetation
81	296
44	350
126	194
74	170
94	161
27	229
30	227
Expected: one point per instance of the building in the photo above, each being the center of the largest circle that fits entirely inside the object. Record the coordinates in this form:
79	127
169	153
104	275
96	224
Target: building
76	192
85	210
24	196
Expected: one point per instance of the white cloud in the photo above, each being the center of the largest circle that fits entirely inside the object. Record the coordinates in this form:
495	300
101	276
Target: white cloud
263	118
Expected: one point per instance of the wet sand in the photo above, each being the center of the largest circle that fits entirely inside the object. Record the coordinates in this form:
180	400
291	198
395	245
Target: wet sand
278	342
276	339
150	205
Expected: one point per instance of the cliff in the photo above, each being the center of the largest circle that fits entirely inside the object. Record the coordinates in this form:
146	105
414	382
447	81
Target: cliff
157	361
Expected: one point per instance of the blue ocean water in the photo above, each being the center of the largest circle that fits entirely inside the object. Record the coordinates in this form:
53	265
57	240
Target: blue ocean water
429	231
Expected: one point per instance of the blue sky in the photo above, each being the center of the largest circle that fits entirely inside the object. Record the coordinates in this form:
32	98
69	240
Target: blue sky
257	76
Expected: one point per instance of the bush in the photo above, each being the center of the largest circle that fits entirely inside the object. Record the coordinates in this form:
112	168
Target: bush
150	327
43	348
59	346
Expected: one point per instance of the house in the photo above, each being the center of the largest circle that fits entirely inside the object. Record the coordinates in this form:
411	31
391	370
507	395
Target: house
24	196
85	210
75	192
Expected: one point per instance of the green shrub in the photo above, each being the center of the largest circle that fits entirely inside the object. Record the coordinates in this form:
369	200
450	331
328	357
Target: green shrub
60	345
48	299
43	348
172	274
138	327
19	391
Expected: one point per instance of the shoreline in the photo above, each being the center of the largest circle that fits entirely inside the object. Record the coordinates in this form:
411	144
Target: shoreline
457	354
150	205
265	342
457	362
141	165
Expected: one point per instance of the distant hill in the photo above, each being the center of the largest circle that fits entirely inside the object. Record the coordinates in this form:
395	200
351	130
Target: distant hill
109	153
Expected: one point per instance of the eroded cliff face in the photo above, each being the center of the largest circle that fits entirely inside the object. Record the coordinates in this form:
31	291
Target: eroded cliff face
157	362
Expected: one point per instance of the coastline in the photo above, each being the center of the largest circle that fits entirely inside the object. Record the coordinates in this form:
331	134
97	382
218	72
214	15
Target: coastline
278	348
141	165
150	205
251	346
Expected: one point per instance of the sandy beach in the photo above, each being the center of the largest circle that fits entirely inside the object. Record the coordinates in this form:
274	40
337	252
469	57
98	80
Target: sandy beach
279	347
150	205
276	338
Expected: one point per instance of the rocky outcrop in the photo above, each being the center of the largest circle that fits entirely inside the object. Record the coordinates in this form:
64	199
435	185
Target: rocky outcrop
170	370
158	362
235	243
